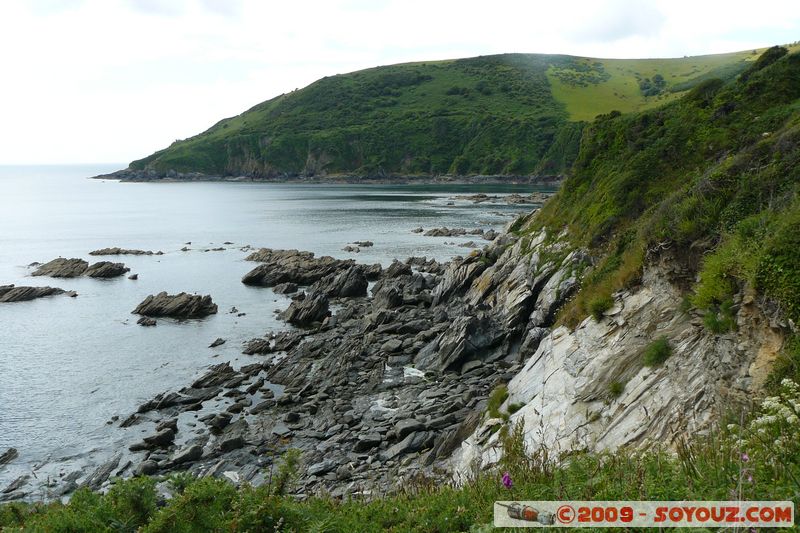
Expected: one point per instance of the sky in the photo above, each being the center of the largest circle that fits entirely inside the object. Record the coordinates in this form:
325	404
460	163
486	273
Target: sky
109	81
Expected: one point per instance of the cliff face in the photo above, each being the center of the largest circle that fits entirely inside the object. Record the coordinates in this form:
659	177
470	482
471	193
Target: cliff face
589	388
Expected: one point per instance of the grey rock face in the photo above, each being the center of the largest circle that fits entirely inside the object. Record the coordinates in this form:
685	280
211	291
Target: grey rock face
346	283
62	268
293	266
123	251
8	456
106	269
311	309
189	454
181	305
10	293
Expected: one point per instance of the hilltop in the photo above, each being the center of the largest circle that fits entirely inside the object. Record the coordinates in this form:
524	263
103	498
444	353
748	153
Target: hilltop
510	114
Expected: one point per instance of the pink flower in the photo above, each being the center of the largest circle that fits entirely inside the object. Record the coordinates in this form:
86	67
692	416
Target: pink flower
507	480
745	457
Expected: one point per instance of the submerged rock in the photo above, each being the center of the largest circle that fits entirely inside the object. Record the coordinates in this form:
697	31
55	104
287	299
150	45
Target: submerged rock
181	305
10	293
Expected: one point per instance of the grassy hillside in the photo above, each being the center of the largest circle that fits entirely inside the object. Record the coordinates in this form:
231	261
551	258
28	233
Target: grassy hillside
713	178
517	114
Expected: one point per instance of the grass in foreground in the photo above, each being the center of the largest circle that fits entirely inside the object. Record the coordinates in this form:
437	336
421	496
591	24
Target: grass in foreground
759	460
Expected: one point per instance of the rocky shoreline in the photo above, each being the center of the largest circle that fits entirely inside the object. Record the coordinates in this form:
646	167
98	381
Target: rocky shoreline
385	376
134	175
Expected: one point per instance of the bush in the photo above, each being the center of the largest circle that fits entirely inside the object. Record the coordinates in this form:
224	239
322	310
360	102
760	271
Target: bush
656	352
514	407
720	319
496	399
598	306
615	388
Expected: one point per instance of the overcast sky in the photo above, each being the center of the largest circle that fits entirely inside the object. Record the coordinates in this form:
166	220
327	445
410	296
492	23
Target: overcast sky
114	80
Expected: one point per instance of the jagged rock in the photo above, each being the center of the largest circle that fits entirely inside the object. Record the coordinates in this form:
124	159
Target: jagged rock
230	444
216	375
285	288
412	443
373	272
490	235
311	309
102	473
147	321
558	288
123	251
404	427
162	439
62	268
352	249
217	342
364	244
322	467
397	269
346	283
450	232
220	421
133	277
457	279
188	455
10	293
181	305
468	337
16	484
367	441
146	468
106	269
281	266
417	230
8	456
257	346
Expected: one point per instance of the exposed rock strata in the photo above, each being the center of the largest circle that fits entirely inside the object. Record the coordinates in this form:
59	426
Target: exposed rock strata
11	293
180	305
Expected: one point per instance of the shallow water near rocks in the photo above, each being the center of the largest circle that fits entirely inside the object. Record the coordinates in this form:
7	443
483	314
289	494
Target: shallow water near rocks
67	365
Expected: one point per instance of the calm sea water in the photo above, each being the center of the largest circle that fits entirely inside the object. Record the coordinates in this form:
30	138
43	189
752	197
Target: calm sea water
67	365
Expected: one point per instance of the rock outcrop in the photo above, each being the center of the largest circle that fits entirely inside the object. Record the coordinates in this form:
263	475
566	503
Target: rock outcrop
291	266
589	389
106	269
11	293
123	251
62	268
73	268
180	305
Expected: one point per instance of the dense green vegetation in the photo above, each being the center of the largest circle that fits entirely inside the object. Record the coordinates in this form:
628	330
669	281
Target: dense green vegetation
712	177
512	114
758	460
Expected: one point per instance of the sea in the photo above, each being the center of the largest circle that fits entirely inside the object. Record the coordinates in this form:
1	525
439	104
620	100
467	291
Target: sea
69	365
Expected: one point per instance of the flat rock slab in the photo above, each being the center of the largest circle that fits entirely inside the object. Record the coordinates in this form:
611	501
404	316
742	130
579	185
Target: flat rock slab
291	266
73	268
10	293
181	305
123	251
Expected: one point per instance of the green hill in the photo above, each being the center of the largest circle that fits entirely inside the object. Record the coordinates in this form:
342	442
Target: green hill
513	114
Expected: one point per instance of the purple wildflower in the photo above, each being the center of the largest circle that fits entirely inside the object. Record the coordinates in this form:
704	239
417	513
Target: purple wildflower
507	480
745	457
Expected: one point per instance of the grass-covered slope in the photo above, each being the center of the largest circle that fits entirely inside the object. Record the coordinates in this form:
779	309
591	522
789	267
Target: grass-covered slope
713	178
513	114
